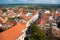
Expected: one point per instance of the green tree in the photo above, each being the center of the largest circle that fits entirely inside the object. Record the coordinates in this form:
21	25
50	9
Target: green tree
37	33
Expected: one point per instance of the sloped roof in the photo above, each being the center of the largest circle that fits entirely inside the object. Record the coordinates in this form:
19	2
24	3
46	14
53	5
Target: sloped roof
13	33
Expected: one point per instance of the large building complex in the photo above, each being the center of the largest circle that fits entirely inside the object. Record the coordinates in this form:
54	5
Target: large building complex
16	29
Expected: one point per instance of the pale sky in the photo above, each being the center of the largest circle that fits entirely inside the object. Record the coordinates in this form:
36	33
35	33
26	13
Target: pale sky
30	1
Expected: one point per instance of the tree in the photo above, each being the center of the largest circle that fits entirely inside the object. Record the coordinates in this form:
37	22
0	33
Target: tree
37	33
15	18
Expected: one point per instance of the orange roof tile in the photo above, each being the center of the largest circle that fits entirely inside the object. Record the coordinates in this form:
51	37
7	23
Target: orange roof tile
56	15
1	19
11	15
8	23
26	18
13	33
41	22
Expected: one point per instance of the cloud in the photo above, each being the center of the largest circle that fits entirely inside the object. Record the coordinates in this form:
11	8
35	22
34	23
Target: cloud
55	1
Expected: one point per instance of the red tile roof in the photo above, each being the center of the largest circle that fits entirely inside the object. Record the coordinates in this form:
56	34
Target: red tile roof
1	19
26	18
44	19
46	16
11	15
8	23
13	33
41	22
56	15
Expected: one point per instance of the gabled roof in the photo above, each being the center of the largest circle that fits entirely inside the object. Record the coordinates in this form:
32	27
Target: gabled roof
13	33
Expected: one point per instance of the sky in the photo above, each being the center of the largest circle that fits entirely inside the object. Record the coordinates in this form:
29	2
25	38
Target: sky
30	1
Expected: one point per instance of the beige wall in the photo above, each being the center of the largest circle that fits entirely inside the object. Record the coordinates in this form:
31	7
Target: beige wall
21	37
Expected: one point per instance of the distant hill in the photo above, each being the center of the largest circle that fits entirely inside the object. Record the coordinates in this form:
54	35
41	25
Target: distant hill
31	5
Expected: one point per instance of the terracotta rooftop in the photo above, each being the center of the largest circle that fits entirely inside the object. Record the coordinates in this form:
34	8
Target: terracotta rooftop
13	33
1	19
26	18
8	23
57	14
45	16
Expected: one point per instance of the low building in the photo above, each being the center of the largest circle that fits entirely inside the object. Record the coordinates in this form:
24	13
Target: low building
18	31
